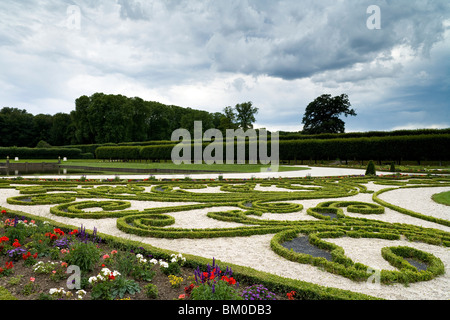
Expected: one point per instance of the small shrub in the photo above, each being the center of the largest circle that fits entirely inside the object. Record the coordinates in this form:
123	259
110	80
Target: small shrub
83	254
151	291
370	171
392	167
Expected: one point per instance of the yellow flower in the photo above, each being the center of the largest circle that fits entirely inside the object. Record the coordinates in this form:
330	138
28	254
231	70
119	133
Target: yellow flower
175	281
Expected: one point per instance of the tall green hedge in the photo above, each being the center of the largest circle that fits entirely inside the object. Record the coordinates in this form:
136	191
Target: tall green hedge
39	153
394	148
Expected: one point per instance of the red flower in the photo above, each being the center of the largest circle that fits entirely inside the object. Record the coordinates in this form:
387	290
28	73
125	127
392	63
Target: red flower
75	231
111	277
26	256
291	295
51	235
189	289
231	280
16	243
4	239
4	211
58	231
9	265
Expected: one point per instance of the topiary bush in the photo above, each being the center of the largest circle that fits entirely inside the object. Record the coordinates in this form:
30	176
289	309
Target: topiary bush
370	170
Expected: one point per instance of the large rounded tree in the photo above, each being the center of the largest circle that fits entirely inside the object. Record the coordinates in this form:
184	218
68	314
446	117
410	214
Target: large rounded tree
322	115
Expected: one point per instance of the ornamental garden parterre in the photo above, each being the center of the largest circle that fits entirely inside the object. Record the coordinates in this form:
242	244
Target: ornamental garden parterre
308	229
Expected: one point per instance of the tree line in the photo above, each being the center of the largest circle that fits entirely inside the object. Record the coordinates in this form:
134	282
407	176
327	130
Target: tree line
107	118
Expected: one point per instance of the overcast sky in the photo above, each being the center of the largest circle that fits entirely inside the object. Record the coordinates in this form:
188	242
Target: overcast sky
207	55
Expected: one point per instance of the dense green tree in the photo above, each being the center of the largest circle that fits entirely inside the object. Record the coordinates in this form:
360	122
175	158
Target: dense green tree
103	118
17	128
62	131
322	115
227	120
83	132
158	121
42	124
245	116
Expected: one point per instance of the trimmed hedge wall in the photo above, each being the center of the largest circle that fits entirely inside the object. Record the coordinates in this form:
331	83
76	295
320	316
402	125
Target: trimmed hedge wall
398	148
40	153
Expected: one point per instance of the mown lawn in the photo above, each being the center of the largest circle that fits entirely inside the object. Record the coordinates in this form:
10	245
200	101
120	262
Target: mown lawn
219	168
443	198
169	165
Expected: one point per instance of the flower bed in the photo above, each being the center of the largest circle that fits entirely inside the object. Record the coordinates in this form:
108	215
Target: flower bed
39	270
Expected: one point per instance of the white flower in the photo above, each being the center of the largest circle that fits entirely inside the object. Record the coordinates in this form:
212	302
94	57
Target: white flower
154	261
57	291
141	258
92	280
116	273
105	270
80	294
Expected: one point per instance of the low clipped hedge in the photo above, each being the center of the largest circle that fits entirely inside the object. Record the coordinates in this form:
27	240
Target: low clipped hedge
411	213
345	267
395	256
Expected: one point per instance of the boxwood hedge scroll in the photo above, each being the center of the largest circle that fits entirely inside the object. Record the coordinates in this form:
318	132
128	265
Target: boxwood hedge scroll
257	211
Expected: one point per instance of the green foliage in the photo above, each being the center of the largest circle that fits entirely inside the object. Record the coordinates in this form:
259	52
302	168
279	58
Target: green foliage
83	254
322	115
370	170
220	290
392	167
418	147
151	291
245	115
122	286
6	295
39	153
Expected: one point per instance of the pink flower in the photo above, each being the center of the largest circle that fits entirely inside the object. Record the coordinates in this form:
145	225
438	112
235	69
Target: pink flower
32	279
114	252
106	256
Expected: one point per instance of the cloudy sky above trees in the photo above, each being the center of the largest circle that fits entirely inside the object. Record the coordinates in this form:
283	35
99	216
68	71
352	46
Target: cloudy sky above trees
207	55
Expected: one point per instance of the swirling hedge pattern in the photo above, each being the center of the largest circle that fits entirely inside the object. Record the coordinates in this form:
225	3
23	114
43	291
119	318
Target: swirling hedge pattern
328	219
